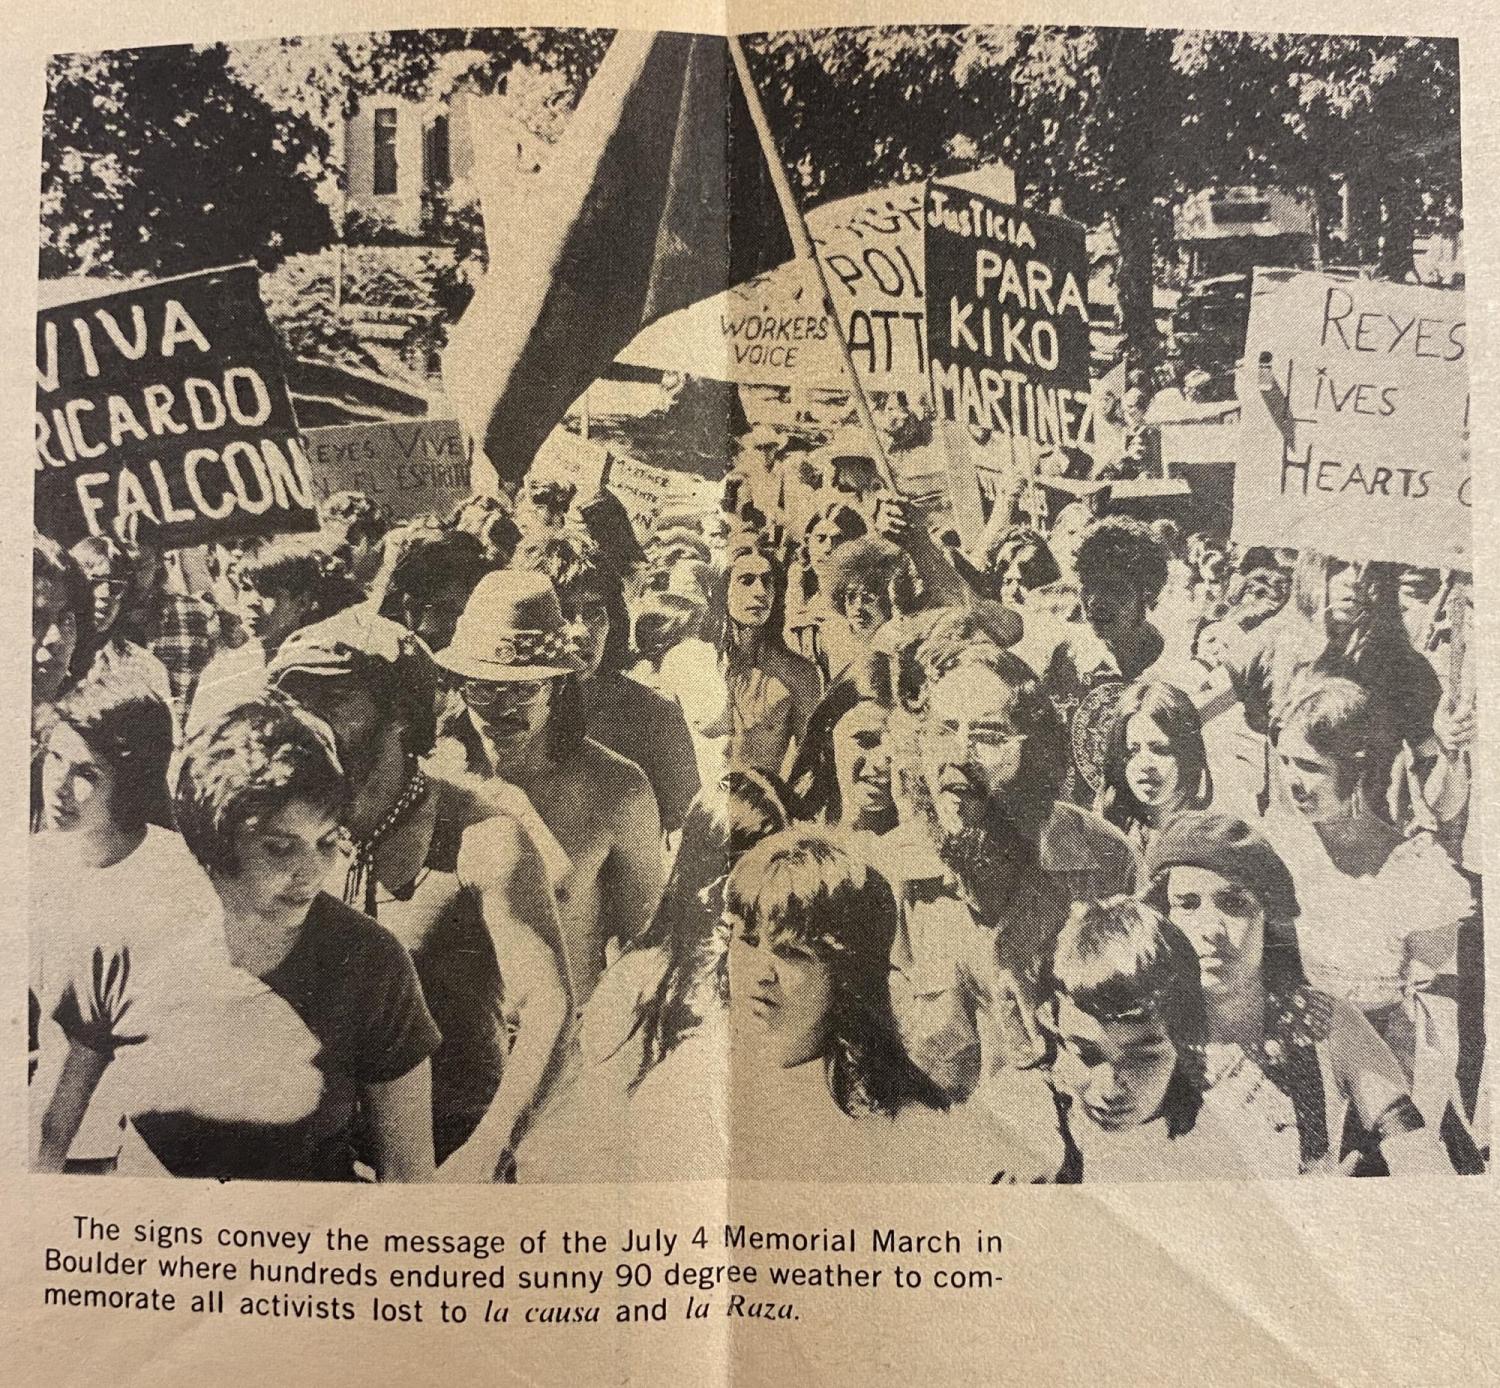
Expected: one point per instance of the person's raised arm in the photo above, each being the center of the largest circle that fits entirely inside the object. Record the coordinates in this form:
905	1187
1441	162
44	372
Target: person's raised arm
81	1073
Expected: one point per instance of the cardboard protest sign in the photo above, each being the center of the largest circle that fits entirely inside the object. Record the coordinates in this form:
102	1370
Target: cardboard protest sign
641	489
569	457
1007	320
411	466
1354	420
166	404
1007	331
773	330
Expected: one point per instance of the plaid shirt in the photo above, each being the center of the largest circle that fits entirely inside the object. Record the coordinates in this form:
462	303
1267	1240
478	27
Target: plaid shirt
185	640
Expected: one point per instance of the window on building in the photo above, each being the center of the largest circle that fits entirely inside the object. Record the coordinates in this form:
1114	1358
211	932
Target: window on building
383	159
439	169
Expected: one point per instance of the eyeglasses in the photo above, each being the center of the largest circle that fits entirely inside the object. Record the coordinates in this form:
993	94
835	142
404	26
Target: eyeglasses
980	736
483	693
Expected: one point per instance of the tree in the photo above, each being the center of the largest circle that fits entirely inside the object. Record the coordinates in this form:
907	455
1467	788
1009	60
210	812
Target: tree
1121	124
163	161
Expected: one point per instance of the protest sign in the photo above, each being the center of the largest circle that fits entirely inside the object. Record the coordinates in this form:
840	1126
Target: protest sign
166	404
1354	425
641	489
1008	333
411	467
568	457
774	330
1007	321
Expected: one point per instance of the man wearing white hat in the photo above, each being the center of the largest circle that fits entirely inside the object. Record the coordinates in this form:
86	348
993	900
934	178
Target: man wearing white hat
517	662
459	871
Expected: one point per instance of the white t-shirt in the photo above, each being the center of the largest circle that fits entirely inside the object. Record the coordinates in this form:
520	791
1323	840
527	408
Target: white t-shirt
146	913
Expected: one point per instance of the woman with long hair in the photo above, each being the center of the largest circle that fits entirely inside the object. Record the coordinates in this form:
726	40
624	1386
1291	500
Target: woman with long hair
1381	911
656	994
842	774
259	799
1225	887
1155	764
804	1076
105	878
746	695
1140	1092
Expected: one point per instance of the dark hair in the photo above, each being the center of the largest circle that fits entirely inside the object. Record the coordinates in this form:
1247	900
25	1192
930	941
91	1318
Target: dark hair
418	562
1120	550
662	621
1240	853
256	760
805	882
722	824
876	566
303	567
1036	570
130	728
51	563
814	777
567	725
574	562
718	630
1177	716
359	517
846	518
960	637
1119	959
1353	728
492	522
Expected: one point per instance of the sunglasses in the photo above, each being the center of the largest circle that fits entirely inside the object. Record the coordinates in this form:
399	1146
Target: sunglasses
484	693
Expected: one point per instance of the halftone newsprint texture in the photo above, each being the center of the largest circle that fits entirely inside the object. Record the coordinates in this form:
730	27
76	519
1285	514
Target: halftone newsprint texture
844	620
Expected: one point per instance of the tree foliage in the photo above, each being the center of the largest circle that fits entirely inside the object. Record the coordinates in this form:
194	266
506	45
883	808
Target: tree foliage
1120	124
163	161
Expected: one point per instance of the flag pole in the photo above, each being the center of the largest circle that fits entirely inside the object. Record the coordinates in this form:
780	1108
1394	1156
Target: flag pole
802	245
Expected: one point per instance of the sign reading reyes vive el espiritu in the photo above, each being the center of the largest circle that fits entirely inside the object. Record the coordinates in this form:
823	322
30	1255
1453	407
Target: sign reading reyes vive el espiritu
410	466
166	404
1007	320
1354	400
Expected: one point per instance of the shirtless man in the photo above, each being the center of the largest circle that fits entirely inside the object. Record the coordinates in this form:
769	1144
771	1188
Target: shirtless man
522	719
457	870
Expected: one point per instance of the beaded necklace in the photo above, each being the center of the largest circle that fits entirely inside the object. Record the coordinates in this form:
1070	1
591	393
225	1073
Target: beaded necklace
360	882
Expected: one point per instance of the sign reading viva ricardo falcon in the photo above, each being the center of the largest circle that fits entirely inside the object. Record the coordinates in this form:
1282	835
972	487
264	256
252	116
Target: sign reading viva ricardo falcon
166	404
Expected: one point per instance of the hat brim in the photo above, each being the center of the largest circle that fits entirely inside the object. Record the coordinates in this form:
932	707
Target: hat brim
470	667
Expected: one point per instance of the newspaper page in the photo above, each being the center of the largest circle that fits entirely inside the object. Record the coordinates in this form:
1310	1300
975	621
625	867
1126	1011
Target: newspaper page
787	695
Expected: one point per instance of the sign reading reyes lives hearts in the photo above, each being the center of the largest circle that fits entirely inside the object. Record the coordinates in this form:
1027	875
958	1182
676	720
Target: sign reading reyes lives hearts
1353	433
165	404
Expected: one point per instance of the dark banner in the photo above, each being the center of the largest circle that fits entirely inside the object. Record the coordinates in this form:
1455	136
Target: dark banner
1007	321
166	406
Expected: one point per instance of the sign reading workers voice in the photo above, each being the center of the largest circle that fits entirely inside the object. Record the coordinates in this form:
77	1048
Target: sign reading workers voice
1354	400
166	404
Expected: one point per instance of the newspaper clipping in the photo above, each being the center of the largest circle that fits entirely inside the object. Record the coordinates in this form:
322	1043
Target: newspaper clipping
869	606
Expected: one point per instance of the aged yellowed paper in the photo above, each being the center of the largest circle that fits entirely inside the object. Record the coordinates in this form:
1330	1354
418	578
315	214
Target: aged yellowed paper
811	674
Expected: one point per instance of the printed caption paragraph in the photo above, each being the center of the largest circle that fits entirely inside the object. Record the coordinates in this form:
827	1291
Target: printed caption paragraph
555	1276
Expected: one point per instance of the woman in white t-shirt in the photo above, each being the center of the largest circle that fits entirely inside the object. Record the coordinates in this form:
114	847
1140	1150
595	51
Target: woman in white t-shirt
113	896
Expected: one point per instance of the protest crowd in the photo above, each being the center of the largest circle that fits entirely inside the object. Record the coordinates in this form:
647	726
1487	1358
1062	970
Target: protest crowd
804	830
513	823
